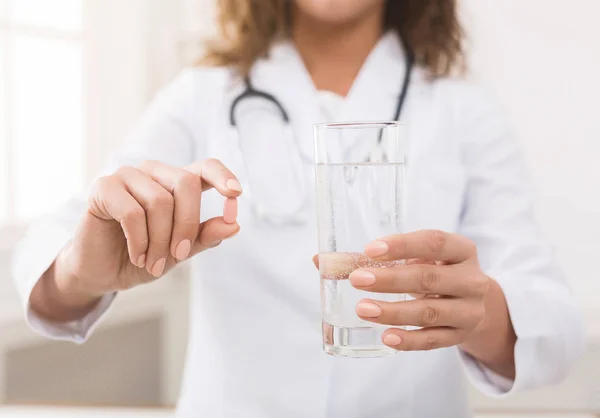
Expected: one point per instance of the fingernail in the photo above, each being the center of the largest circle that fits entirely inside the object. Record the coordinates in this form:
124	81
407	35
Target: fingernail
183	249
159	267
377	249
215	244
392	339
368	310
234	234
362	278
141	262
233	184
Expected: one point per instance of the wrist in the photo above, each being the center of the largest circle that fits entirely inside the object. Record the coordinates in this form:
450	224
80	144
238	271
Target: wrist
493	341
58	296
66	285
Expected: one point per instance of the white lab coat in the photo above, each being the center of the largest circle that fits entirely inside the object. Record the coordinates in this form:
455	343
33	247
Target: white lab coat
255	338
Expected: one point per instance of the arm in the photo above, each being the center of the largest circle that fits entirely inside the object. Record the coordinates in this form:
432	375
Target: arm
520	329
48	301
493	342
164	133
532	332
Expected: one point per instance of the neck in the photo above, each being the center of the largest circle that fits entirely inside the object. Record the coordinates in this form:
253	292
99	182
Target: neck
334	54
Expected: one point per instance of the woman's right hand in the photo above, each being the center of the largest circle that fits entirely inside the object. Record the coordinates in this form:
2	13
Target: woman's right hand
140	222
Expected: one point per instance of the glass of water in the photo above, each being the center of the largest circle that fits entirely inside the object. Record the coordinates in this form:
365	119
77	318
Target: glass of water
360	198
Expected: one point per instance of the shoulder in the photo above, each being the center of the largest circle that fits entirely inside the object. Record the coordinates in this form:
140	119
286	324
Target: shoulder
194	94
469	98
457	93
470	105
199	80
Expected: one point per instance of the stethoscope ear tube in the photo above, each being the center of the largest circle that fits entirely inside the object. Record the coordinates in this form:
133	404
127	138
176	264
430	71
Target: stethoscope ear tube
296	163
250	92
410	63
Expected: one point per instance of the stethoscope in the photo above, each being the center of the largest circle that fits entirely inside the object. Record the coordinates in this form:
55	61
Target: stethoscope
251	93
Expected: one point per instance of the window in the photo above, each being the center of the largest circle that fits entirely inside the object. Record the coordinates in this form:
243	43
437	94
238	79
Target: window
42	144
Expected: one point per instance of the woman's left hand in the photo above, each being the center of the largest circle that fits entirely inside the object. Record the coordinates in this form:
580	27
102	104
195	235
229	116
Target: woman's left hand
443	274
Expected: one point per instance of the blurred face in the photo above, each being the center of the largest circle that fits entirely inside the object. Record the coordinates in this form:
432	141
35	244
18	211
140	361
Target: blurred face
338	11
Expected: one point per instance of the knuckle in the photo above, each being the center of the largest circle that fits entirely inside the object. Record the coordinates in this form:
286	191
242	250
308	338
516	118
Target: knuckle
159	246
126	171
105	183
162	202
133	214
147	164
187	226
428	280
430	316
431	343
436	241
212	162
188	182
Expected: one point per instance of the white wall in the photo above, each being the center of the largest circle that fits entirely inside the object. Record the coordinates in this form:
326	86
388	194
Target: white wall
539	56
123	42
542	59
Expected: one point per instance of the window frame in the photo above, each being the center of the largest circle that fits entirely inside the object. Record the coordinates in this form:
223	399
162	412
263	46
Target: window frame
106	121
9	29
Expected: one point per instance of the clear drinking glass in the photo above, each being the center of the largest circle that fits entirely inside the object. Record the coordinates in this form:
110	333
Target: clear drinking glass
360	197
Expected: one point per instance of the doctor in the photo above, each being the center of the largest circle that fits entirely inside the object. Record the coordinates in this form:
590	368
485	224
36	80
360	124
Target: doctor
491	301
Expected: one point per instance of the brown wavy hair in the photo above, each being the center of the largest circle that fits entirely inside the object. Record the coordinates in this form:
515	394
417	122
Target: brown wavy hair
430	29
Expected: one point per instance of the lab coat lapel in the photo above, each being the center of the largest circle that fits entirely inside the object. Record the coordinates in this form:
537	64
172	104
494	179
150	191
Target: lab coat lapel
373	95
284	75
375	92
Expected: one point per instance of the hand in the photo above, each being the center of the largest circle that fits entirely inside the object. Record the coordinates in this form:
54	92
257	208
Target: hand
443	273
143	220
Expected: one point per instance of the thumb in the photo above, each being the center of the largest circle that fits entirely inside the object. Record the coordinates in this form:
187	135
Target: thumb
212	232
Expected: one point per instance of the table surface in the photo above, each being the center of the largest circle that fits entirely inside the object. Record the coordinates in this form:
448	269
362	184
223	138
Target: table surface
64	412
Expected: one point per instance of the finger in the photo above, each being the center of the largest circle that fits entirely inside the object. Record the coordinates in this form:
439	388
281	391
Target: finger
159	206
212	233
428	244
420	261
338	266
453	280
214	174
442	312
412	261
422	339
112	201
186	189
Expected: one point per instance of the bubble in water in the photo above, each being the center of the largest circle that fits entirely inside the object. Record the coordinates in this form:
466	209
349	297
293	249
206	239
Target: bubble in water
350	174
338	266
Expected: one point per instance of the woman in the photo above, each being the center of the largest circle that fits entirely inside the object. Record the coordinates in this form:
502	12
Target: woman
505	316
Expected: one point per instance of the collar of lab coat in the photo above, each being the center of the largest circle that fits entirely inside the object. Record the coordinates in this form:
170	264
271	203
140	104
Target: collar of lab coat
373	95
